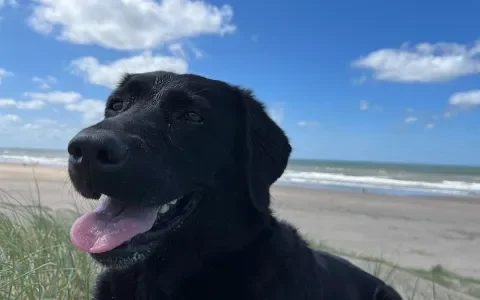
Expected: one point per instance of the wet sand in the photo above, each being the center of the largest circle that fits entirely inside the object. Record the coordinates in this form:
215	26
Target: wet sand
415	232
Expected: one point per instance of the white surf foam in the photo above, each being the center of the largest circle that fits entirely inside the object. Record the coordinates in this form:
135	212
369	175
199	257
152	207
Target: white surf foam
381	182
33	160
371	182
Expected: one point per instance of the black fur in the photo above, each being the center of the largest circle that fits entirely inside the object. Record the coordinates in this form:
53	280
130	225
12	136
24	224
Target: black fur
231	247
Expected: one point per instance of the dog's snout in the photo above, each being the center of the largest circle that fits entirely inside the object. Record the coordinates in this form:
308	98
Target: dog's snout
97	149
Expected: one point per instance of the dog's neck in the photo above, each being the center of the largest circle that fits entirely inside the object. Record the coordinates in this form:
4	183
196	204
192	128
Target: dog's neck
227	246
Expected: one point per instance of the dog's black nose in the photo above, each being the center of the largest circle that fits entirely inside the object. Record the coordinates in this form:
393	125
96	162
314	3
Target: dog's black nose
97	149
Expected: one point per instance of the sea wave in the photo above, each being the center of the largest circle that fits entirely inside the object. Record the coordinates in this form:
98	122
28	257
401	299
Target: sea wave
33	160
459	188
378	181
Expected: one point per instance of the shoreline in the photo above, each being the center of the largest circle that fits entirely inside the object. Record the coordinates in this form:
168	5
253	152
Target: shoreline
380	190
56	172
413	231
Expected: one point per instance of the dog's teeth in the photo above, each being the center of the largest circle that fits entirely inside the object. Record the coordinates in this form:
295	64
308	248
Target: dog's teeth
173	202
164	208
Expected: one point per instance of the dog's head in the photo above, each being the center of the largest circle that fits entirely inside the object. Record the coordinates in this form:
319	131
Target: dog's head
175	155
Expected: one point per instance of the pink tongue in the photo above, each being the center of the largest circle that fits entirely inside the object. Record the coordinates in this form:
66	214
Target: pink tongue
110	225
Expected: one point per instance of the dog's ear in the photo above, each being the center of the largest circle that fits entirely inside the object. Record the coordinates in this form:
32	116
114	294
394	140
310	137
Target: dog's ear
267	150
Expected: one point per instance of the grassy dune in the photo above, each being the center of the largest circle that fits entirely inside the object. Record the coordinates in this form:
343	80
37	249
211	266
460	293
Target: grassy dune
37	260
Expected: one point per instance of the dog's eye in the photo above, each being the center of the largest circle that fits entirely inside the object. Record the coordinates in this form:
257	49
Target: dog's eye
192	117
116	106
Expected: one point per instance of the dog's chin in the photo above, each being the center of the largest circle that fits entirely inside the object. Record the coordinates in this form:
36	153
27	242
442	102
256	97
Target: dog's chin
170	218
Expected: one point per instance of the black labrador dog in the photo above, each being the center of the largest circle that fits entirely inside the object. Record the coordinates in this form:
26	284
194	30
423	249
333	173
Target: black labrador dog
185	164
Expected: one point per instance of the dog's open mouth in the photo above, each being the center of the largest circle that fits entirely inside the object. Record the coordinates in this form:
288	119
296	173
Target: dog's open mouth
113	225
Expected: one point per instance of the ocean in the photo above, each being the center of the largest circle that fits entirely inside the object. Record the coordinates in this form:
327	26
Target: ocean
371	177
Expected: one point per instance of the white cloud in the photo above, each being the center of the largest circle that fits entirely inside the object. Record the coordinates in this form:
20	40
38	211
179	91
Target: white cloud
12	103
277	112
92	110
45	83
364	105
196	52
429	126
7	102
108	74
411	120
40	132
177	50
32	104
466	99
39	100
6	121
41	123
308	123
4	73
9	118
55	97
423	62
185	50
129	24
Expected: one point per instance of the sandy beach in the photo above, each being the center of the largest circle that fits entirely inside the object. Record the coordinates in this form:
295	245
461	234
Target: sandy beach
415	232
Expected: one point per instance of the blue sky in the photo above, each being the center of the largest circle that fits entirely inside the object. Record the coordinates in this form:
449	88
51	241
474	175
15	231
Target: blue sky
348	80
